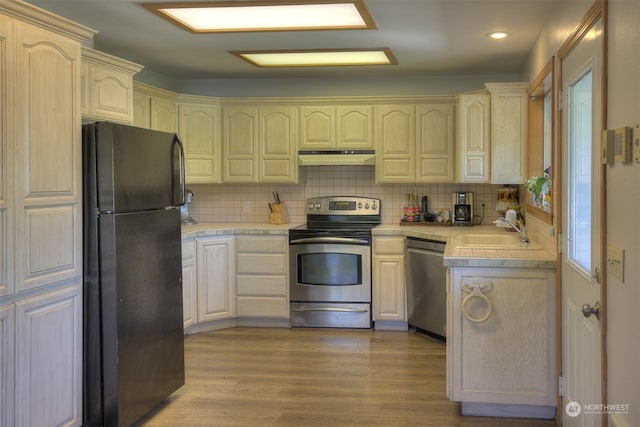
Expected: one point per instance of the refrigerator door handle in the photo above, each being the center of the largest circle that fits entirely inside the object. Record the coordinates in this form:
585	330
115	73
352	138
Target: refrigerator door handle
180	200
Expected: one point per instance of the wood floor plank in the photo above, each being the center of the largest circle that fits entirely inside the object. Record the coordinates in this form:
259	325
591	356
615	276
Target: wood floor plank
270	377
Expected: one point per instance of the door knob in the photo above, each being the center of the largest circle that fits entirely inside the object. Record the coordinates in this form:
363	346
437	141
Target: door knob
587	310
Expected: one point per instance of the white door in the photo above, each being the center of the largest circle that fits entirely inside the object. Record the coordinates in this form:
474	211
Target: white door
582	232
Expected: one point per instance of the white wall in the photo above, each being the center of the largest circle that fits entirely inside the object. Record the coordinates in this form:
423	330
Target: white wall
623	182
623	207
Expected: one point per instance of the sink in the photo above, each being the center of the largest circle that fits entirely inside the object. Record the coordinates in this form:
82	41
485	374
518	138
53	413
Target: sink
493	241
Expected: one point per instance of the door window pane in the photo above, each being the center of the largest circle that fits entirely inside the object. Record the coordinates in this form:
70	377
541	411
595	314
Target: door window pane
579	157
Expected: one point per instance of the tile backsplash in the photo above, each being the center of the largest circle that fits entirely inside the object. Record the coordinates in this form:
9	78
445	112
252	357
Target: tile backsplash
248	202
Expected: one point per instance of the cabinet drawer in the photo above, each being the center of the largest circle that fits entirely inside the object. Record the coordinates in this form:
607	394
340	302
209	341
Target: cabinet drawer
263	306
262	285
261	263
388	246
261	244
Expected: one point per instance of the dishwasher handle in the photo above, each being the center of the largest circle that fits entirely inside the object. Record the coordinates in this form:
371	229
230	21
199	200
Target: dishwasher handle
425	245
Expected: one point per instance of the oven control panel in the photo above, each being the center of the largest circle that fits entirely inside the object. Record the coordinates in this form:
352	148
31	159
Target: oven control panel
342	205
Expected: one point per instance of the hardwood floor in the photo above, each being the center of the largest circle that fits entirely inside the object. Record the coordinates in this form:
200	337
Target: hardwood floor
315	377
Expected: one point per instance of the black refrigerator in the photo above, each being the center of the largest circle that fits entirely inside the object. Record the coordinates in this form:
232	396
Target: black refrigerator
133	186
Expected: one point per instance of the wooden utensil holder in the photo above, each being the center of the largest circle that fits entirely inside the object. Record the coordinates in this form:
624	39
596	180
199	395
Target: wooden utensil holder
279	214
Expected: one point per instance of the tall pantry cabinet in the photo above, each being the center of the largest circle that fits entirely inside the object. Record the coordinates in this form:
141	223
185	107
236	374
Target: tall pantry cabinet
40	218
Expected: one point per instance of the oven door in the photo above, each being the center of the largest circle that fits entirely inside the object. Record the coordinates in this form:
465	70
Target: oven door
327	269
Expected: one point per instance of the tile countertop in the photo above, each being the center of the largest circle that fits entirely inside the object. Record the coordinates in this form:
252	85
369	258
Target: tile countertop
454	256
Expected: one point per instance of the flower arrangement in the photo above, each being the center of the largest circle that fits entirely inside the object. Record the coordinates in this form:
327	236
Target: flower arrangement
540	187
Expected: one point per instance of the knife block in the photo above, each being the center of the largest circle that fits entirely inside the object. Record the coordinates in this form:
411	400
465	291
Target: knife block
279	214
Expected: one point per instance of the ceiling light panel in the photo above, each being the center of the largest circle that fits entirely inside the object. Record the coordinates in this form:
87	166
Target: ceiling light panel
319	58
266	16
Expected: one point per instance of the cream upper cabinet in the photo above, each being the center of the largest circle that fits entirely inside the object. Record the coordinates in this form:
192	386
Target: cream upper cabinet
317	127
395	136
199	130
278	135
240	144
473	138
509	103
501	326
336	127
107	87
259	144
141	109
155	108
389	295
435	143
40	218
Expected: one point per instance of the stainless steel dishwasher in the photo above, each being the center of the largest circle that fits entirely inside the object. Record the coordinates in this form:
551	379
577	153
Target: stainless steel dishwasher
426	286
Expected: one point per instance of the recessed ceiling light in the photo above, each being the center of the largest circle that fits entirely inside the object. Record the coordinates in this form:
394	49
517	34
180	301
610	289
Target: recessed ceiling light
498	35
243	16
318	57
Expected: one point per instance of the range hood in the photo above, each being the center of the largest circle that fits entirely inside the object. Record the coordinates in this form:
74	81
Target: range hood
336	157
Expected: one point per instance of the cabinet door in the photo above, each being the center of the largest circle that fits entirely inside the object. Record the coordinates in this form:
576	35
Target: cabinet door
111	94
509	357
199	129
141	110
354	127
163	114
7	186
278	136
508	136
395	136
317	128
240	144
473	138
189	280
48	379
48	149
216	290
7	371
435	143
389	288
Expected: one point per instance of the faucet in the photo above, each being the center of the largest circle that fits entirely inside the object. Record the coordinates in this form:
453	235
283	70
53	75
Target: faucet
500	222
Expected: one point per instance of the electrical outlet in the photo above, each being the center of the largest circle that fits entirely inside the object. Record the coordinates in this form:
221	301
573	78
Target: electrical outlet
246	207
615	261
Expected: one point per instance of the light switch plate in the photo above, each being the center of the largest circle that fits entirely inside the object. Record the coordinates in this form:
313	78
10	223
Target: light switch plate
615	261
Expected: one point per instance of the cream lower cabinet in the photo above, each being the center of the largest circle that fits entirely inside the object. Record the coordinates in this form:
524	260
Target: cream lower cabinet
215	278
40	218
389	294
189	281
501	341
262	276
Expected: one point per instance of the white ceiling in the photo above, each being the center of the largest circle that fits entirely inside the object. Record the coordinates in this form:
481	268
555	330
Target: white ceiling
428	38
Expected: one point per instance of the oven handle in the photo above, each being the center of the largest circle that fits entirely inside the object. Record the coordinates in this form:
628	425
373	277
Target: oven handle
343	310
342	240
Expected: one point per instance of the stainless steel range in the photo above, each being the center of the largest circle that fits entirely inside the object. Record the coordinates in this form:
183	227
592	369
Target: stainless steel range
330	263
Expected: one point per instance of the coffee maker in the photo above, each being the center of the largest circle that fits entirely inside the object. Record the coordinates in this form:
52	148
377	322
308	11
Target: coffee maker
462	208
